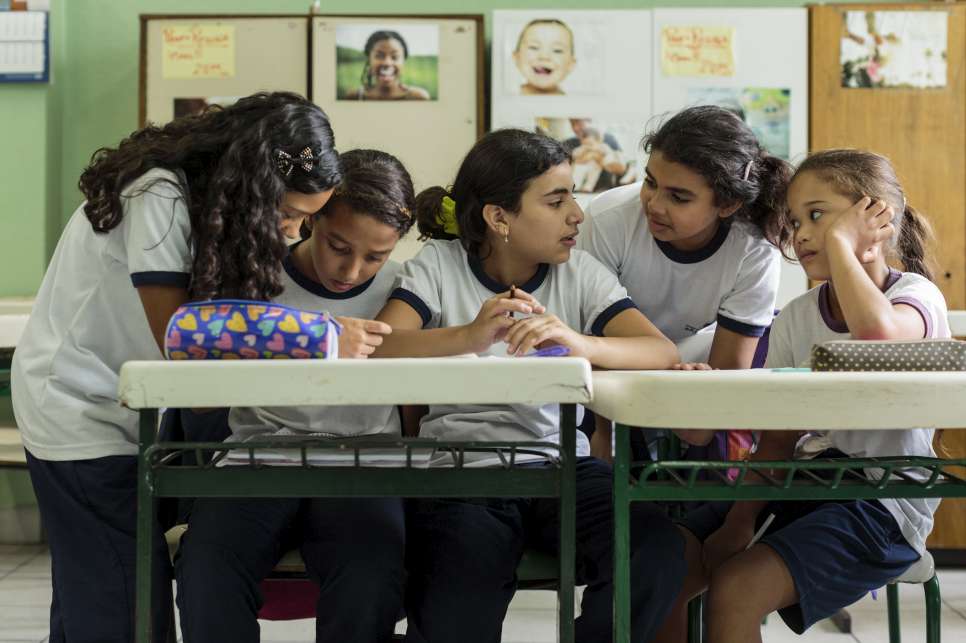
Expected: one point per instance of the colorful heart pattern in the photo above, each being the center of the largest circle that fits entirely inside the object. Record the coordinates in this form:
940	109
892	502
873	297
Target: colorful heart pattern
234	329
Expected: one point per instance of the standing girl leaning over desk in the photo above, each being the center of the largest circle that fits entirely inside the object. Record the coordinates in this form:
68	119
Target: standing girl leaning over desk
511	218
194	209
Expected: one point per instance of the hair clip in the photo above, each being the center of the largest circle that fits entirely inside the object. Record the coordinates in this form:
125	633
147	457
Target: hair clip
285	161
747	170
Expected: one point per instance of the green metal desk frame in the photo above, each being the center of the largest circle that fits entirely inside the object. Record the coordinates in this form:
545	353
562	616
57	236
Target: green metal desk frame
158	478
826	479
760	399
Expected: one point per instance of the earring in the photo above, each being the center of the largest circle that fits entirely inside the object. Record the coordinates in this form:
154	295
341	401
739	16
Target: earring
506	234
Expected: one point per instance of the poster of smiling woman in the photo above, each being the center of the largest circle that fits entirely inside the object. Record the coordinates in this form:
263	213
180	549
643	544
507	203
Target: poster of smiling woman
387	62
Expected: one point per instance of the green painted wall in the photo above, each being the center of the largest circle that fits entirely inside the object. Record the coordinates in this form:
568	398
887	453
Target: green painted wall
48	132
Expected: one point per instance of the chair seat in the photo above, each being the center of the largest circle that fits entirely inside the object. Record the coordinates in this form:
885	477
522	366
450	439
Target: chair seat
921	571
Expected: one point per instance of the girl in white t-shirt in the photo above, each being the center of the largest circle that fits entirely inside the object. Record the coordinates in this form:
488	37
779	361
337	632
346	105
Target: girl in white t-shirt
191	210
850	216
511	219
698	243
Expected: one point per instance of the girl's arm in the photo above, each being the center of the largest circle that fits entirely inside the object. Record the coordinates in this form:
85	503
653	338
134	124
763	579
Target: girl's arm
409	339
159	303
867	311
630	341
731	350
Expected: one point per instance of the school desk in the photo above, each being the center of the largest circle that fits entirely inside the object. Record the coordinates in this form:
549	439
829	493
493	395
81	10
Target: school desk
764	399
148	386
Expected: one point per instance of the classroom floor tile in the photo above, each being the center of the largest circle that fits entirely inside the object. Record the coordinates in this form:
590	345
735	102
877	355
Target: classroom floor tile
532	618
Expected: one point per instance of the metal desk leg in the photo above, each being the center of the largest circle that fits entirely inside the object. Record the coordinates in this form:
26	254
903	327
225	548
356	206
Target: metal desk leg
148	420
568	523
622	536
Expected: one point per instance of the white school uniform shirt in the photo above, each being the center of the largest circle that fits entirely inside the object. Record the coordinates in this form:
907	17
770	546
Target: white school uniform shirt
806	321
732	281
88	320
447	288
363	302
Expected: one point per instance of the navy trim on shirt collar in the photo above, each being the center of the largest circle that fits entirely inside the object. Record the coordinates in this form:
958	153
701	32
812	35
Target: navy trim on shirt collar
694	256
534	282
315	287
825	305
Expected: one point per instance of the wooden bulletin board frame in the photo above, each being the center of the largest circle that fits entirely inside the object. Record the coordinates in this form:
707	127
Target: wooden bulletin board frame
922	131
146	77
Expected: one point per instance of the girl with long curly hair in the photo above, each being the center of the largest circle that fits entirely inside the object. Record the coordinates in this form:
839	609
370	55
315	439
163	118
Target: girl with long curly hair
192	210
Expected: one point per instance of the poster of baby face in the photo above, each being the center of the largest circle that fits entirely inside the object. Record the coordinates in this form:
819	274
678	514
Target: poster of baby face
552	56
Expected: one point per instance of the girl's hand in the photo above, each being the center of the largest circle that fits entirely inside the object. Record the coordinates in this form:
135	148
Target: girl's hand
730	539
360	337
691	366
541	330
496	317
863	226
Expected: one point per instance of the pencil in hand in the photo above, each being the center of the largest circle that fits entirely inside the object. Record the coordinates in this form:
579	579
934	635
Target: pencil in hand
513	294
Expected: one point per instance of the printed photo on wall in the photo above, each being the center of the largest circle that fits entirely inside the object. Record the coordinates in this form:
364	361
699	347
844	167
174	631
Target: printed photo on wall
603	153
387	62
192	106
894	49
551	57
766	111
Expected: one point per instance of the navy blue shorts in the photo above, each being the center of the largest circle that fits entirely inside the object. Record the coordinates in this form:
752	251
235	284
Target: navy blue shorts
836	552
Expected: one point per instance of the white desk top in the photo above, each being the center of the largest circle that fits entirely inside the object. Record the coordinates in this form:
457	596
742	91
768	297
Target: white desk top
531	380
13	317
765	399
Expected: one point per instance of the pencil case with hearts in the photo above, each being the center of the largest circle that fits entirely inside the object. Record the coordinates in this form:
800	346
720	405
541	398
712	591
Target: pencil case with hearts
241	329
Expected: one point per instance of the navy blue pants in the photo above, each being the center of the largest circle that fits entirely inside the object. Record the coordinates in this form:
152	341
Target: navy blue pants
353	548
463	554
89	511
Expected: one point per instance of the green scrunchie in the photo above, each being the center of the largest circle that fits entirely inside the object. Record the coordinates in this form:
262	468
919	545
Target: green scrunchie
446	217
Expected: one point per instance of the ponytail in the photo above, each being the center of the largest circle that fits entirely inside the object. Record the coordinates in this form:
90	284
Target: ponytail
915	237
428	208
768	212
496	171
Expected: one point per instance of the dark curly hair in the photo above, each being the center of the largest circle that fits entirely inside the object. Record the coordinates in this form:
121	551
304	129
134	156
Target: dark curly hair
232	185
496	171
374	184
718	145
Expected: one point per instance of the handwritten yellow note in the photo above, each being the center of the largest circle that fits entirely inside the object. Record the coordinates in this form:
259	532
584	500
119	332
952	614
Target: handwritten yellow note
697	51
198	51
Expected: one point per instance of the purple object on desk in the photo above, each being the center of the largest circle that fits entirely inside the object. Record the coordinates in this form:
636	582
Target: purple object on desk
550	351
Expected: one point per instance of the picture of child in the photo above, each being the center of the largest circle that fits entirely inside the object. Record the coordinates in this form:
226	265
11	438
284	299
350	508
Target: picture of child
590	158
544	56
385	67
599	161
